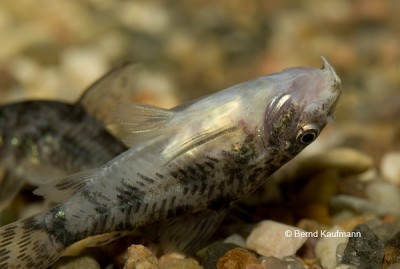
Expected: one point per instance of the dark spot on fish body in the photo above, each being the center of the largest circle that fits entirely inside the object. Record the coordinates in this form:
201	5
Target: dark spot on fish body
128	194
179	211
147	179
221	202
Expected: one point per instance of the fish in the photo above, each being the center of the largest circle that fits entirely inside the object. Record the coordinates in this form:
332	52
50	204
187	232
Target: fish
185	166
45	140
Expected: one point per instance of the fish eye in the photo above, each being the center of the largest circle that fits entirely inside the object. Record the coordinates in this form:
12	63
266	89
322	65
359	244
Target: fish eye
307	134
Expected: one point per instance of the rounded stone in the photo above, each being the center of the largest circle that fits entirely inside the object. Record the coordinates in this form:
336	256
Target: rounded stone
139	257
326	248
272	238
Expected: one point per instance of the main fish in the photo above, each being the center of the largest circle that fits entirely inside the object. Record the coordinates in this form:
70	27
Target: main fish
42	140
185	167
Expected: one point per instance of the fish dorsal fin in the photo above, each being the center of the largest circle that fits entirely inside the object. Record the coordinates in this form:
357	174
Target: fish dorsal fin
60	190
141	121
116	86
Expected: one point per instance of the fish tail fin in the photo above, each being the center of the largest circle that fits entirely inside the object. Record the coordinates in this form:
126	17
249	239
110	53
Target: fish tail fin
26	244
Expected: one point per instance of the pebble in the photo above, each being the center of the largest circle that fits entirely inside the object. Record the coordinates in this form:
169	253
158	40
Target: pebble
383	230
86	262
236	258
348	224
385	195
275	263
271	238
392	251
326	248
181	264
365	251
210	255
139	257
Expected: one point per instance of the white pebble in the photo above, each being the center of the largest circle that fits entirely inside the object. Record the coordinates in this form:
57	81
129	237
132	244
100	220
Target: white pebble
390	167
272	238
385	195
326	248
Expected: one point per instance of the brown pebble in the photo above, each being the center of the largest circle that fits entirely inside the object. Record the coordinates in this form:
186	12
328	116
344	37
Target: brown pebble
237	258
139	257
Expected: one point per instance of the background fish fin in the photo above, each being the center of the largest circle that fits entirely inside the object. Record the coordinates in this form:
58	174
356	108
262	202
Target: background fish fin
141	121
10	185
117	86
60	190
189	233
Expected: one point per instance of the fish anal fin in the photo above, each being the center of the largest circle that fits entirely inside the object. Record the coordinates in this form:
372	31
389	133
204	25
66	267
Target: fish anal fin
60	190
92	241
188	233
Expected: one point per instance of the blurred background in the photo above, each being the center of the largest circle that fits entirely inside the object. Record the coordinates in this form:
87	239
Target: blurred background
55	49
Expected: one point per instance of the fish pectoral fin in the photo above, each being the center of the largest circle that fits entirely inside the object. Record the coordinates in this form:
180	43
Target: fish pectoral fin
182	146
60	190
190	232
117	86
141	121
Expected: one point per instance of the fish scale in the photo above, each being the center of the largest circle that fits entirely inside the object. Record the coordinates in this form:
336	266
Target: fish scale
185	167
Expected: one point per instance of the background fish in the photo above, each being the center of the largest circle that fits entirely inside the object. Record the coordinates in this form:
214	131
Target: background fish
193	162
43	140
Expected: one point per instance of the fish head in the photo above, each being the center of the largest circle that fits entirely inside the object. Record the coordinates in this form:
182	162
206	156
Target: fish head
304	101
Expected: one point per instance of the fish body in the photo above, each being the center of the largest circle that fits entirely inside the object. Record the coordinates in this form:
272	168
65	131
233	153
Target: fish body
185	168
44	140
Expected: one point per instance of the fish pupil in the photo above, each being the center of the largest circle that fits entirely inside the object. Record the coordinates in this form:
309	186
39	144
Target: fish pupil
307	138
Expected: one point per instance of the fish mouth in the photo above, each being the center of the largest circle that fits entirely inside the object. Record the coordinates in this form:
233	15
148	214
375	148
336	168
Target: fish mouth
336	82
